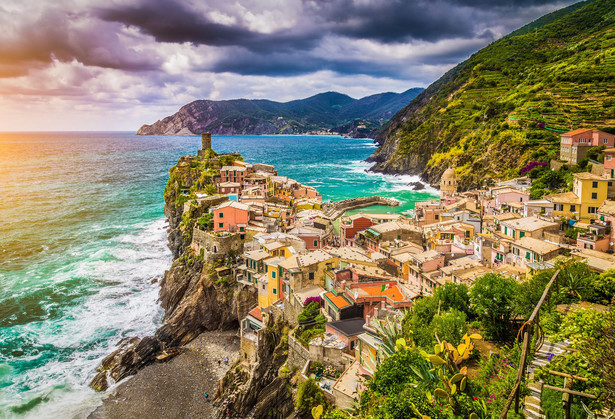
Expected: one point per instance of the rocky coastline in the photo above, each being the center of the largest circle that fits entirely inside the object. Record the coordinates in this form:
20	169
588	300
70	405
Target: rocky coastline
195	302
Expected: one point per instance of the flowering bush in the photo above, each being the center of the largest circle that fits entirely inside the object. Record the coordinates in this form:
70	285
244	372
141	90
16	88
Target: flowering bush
312	299
531	165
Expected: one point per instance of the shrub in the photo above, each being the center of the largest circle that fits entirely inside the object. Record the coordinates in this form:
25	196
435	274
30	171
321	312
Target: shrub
309	395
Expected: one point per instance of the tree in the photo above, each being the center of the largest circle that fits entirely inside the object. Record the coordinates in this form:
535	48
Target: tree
450	325
309	395
604	286
492	297
455	296
600	351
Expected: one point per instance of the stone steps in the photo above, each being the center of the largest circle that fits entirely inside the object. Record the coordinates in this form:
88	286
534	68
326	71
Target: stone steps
532	404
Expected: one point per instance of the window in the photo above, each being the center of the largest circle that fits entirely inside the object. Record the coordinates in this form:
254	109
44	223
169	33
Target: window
608	158
592	210
573	208
273	274
436	217
311	275
221	214
605	141
220	225
594	185
315	243
521	234
515	251
558	207
275	291
240	228
527	255
594	195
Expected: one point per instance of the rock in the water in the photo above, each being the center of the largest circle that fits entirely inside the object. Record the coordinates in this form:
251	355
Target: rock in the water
417	186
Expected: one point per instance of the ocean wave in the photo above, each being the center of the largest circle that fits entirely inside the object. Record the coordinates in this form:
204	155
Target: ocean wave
118	298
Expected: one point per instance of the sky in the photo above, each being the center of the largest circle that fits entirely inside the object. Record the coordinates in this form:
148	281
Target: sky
118	64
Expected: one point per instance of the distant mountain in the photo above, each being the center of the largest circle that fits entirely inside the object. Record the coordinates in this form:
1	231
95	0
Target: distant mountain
325	112
507	104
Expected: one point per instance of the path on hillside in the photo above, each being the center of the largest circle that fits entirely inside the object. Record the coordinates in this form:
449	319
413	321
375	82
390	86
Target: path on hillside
532	404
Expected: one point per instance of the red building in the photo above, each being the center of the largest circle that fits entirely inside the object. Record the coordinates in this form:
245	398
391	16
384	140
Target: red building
351	225
234	174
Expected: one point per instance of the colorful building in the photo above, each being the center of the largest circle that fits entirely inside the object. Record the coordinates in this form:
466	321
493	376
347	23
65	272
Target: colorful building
575	144
235	174
231	216
592	191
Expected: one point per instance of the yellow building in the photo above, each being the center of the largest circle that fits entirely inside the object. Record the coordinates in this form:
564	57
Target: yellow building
566	205
592	191
273	293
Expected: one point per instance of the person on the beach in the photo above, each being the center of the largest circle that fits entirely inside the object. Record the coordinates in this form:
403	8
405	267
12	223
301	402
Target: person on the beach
226	360
219	362
206	397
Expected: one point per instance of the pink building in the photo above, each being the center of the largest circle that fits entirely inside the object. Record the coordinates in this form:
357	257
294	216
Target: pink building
575	144
509	195
231	216
306	192
314	238
609	163
606	214
229	188
235	174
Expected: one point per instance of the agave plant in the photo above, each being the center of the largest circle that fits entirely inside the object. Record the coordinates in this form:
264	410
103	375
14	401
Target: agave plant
391	335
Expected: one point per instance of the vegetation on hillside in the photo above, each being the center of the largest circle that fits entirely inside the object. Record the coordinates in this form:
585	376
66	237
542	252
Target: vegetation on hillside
506	105
440	367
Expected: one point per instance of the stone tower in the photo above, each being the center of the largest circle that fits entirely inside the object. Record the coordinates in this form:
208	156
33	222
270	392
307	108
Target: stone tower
205	141
448	183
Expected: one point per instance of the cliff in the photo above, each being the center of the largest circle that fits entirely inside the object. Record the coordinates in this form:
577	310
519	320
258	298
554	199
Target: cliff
194	298
257	389
329	111
506	104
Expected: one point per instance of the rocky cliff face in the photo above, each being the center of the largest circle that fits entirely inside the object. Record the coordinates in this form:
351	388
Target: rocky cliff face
506	104
257	390
193	297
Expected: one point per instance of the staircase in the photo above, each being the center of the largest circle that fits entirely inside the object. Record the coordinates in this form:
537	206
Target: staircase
532	404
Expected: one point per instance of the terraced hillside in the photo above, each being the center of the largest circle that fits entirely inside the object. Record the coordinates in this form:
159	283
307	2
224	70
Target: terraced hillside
506	104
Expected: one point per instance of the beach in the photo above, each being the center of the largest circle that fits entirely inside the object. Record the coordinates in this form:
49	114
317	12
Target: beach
176	388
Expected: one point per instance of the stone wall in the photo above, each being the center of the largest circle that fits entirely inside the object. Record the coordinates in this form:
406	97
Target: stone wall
215	246
298	355
337	209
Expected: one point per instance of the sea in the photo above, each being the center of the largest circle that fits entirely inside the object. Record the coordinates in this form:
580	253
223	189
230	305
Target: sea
83	245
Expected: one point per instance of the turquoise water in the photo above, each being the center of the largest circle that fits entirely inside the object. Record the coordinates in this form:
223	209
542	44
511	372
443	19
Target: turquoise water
83	244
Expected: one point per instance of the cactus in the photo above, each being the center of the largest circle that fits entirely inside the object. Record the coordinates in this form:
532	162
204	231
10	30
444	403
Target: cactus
446	361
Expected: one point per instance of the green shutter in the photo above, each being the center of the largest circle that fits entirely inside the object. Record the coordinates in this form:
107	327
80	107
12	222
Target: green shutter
521	234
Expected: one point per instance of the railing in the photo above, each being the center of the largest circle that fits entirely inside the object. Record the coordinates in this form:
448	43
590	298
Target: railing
534	318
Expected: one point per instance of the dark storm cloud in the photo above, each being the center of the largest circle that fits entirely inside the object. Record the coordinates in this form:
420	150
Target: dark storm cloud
171	21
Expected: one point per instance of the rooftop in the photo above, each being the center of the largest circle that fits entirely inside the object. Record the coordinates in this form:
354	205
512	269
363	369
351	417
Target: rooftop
506	216
607	207
368	290
256	313
233	204
563	198
427	256
338	300
588	176
314	257
537	246
529	224
349	327
233	168
577	131
257	254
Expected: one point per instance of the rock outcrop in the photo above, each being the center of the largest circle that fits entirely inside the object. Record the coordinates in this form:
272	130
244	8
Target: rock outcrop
194	298
193	303
258	390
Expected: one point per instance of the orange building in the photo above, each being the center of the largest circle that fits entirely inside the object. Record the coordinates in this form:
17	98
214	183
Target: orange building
231	216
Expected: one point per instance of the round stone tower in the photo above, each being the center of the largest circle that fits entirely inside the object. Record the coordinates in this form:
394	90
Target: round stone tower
448	183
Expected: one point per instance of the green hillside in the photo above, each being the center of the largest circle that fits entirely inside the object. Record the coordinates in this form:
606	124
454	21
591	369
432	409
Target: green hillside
506	104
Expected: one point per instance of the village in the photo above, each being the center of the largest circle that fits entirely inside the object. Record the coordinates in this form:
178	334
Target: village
335	279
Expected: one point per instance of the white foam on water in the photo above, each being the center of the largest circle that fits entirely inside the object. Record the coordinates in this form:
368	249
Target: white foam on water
123	303
391	183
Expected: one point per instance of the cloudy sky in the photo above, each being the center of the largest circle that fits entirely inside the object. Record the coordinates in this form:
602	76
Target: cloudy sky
117	64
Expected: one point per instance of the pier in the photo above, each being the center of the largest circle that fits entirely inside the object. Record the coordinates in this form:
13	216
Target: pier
335	210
